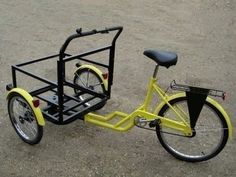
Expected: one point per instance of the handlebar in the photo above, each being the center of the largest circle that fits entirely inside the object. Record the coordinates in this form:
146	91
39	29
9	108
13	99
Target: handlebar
80	33
106	30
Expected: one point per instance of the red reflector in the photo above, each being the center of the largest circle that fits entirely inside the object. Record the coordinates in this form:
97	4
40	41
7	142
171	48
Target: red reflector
105	75
36	103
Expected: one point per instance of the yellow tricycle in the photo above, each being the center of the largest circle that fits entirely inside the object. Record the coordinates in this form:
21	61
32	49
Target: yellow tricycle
190	124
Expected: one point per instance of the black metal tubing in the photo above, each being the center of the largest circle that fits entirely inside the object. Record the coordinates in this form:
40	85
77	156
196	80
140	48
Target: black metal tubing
41	90
32	75
93	62
61	72
68	96
37	60
84	89
61	81
86	53
51	118
46	100
60	88
71	98
111	53
80	114
78	104
13	71
82	34
17	67
111	69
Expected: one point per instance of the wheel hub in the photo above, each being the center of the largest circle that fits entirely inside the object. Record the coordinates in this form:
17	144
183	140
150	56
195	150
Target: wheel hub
21	119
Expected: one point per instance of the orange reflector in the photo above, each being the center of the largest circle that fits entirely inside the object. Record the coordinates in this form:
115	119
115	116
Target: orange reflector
105	75
36	103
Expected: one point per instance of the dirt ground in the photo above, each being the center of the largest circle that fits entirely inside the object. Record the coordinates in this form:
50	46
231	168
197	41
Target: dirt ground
203	34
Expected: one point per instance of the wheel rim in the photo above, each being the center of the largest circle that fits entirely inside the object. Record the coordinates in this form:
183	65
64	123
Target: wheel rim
89	80
207	141
23	118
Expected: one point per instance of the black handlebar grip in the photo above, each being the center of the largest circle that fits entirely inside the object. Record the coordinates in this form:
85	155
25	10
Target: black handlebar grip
89	32
79	31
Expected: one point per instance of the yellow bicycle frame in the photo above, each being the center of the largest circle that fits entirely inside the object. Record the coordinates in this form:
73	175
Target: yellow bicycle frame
127	121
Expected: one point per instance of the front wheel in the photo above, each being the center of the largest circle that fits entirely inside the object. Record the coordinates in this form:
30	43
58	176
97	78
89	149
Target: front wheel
209	137
89	79
23	119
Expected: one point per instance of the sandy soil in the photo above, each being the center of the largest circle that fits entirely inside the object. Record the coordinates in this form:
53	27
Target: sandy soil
203	34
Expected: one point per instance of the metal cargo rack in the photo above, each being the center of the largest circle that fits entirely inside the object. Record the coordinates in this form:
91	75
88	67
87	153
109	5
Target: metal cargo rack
63	108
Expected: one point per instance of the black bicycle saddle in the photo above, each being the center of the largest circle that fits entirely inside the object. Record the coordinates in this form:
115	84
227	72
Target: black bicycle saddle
162	58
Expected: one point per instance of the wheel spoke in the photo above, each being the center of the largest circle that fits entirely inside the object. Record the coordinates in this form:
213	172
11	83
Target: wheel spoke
31	129
182	113
96	85
210	129
83	83
87	83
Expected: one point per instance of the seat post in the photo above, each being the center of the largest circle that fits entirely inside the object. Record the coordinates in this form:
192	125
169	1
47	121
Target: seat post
155	71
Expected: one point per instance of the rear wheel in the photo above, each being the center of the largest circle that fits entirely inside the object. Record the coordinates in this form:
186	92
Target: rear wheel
209	138
23	119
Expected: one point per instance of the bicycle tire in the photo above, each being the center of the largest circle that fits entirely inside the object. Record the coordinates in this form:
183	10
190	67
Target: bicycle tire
196	149
28	117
